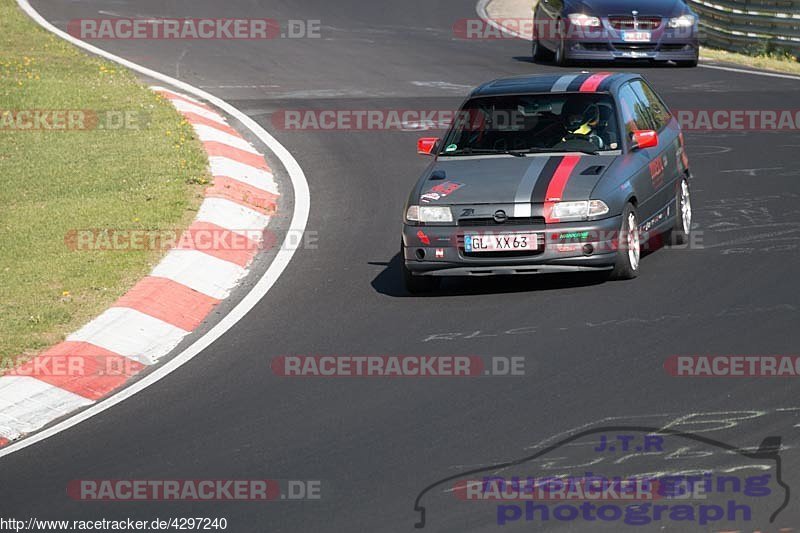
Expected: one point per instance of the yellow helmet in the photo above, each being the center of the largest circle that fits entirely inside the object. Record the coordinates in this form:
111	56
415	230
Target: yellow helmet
582	121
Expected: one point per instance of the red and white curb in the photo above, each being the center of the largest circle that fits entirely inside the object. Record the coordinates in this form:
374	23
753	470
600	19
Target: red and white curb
151	319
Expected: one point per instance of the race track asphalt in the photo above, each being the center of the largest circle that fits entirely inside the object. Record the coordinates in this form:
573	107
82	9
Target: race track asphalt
594	351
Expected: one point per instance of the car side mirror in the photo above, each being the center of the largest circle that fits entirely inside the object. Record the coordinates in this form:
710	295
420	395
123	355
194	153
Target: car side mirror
644	139
427	145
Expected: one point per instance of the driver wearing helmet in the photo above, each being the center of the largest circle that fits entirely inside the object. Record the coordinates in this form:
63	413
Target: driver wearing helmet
581	120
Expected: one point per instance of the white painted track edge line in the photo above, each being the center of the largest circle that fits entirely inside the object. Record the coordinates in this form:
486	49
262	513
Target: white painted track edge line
483	14
302	205
754	72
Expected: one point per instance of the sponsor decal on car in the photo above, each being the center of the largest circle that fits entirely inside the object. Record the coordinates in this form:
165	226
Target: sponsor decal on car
657	168
654	220
440	191
424	239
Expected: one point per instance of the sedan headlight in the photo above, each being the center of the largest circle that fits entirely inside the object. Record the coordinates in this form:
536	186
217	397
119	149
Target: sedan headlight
578	210
429	213
684	21
584	21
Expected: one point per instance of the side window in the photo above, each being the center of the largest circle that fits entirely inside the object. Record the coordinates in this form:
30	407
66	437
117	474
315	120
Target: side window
634	112
654	104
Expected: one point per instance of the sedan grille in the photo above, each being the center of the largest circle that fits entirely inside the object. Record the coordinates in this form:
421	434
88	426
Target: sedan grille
628	22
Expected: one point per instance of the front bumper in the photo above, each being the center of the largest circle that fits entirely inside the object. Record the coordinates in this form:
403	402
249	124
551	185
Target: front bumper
665	44
564	247
609	51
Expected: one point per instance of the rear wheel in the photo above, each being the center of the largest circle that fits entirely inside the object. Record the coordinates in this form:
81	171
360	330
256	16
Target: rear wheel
687	64
629	247
416	284
683	214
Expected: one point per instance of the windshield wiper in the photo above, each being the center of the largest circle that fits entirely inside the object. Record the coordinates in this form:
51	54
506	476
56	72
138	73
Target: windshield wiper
551	150
475	151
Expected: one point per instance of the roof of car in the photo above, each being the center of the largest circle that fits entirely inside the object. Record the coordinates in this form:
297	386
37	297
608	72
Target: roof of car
557	82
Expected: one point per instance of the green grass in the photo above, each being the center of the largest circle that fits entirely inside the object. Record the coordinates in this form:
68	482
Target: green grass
775	62
52	182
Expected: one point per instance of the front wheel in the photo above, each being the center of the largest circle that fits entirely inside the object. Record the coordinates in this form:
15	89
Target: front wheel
629	246
561	49
539	52
536	50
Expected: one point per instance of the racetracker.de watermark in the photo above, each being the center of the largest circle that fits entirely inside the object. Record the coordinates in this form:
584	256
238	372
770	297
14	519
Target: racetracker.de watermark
551	30
397	366
700	120
195	490
391	119
67	365
13	120
590	488
733	366
440	119
193	29
205	238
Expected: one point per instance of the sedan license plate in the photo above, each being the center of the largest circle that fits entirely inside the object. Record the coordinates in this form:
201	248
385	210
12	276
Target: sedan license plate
506	242
636	36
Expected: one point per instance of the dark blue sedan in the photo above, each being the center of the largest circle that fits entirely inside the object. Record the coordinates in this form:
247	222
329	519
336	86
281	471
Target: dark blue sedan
586	30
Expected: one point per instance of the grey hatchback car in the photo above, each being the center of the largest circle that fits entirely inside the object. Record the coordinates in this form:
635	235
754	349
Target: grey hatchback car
548	173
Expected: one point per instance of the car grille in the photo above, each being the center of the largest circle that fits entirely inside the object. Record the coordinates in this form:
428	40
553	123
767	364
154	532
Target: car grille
627	22
489	221
595	47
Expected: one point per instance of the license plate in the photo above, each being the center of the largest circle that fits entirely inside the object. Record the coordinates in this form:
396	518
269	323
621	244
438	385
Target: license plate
636	36
507	242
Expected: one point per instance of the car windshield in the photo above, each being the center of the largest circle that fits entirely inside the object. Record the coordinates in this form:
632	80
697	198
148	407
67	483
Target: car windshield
519	124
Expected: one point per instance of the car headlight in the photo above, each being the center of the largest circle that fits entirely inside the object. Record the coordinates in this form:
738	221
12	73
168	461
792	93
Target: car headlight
578	210
597	208
429	213
684	21
585	21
